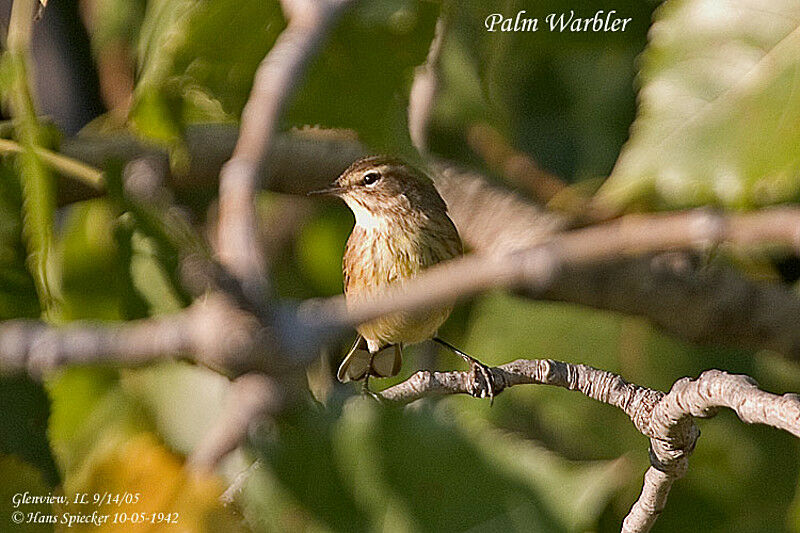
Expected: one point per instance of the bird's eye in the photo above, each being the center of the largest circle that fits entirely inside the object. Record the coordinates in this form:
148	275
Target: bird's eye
371	178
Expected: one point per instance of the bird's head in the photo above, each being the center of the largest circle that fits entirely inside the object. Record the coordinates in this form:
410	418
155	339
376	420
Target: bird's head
379	189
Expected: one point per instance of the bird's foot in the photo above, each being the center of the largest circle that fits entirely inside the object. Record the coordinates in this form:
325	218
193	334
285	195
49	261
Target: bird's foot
483	385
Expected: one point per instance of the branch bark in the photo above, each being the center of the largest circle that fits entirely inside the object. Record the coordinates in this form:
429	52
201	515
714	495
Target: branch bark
666	419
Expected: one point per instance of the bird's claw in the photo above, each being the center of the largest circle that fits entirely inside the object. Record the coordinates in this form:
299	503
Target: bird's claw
483	385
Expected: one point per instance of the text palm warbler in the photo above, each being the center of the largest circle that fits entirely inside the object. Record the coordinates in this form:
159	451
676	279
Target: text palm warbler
401	228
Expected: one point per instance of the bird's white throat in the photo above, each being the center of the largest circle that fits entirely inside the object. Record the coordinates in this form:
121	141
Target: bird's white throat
366	218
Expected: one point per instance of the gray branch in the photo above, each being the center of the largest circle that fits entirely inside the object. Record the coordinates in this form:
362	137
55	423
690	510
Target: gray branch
425	86
535	269
666	419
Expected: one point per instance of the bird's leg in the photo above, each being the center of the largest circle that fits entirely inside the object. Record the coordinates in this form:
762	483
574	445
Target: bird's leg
475	366
365	390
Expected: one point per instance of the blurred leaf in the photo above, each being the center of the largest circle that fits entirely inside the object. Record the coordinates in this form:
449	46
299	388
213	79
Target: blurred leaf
184	400
20	478
36	181
115	21
23	419
575	491
140	465
87	404
188	75
93	274
150	277
718	119
23	424
305	467
362	76
418	470
564	98
193	54
319	249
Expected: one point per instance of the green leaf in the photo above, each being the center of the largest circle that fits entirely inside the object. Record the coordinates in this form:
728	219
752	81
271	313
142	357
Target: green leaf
86	405
93	274
564	98
197	60
19	477
36	182
23	424
380	468
363	74
304	466
718	119
171	392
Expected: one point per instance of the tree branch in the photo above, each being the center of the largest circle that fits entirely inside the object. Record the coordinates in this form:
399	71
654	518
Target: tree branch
711	305
275	81
667	419
534	269
211	332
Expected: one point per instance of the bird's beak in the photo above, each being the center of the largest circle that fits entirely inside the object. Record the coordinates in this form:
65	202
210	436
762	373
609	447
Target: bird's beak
333	190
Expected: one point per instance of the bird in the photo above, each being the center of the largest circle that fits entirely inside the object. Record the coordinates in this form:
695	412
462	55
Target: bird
401	228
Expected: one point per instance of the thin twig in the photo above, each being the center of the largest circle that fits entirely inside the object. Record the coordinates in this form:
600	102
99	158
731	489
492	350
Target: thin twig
61	163
425	85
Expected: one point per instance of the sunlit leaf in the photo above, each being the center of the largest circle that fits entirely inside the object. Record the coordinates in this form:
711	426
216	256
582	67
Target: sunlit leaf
719	118
169	496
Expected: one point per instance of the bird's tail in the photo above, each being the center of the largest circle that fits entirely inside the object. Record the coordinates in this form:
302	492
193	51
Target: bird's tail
359	361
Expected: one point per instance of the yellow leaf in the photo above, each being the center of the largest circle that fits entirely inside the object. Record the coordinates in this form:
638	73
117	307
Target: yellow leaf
138	485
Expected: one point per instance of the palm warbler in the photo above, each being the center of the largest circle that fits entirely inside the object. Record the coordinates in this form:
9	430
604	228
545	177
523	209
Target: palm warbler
401	228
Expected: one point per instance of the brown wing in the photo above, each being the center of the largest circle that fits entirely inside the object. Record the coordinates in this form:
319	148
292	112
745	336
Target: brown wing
448	245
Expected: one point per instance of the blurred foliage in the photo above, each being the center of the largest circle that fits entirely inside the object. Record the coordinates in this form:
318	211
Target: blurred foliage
565	98
370	467
541	459
19	477
36	182
17	290
140	465
719	119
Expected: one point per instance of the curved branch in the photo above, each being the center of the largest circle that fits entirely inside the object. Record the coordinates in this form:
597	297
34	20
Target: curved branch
667	419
